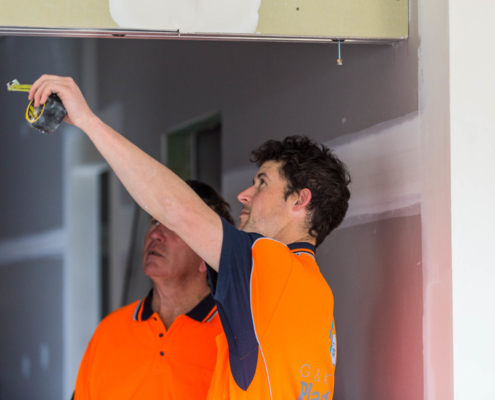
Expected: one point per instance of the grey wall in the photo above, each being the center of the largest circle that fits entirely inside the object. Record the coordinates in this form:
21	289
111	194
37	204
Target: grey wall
31	307
30	163
31	209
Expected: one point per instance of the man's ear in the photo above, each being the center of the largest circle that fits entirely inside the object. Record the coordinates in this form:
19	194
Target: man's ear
202	267
302	200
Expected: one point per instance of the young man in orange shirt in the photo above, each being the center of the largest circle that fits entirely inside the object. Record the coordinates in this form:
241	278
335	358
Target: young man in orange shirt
275	306
162	347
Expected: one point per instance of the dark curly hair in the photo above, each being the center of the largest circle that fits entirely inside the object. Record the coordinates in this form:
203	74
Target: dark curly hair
212	199
306	164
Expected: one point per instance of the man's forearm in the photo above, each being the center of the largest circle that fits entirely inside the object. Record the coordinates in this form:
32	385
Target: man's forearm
154	187
159	191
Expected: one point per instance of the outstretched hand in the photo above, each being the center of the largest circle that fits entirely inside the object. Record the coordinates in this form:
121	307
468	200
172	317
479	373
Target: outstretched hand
78	111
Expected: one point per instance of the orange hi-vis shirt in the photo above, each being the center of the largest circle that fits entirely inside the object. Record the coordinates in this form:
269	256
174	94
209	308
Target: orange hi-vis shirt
279	339
133	356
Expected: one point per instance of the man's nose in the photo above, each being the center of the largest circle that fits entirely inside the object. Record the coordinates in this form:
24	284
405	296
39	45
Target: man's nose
156	233
246	196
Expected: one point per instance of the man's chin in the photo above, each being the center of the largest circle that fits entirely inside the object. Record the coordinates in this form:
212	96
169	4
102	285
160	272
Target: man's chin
154	271
247	227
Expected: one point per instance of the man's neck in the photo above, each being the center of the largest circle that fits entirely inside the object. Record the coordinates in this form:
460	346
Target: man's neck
290	234
171	299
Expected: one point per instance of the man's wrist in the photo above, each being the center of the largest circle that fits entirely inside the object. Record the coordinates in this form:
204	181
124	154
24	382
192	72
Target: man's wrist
89	124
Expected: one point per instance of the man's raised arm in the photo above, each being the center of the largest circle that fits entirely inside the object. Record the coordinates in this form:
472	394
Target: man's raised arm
155	188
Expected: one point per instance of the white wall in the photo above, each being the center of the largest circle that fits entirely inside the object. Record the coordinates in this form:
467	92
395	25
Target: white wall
472	121
433	77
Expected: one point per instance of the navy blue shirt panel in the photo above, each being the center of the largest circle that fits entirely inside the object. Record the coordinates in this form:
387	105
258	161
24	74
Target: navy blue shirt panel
231	289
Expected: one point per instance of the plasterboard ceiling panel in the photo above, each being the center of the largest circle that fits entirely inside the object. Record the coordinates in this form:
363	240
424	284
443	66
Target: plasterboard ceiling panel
336	18
379	19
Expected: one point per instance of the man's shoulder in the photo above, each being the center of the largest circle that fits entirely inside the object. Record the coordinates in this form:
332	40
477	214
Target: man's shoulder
296	259
118	318
271	247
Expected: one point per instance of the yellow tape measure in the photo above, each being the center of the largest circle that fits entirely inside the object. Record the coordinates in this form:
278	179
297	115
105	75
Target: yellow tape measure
45	118
32	113
15	86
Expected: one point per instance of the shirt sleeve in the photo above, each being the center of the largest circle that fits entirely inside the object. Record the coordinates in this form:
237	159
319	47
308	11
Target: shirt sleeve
231	290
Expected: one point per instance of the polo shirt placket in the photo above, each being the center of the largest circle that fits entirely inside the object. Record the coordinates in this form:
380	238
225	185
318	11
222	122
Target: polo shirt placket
167	341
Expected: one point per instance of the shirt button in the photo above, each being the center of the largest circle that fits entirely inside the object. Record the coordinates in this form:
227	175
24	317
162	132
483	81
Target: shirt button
161	335
162	353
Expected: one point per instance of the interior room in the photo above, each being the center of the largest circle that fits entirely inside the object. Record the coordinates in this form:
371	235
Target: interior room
71	236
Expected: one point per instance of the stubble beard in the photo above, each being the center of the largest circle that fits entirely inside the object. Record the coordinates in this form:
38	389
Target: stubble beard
249	226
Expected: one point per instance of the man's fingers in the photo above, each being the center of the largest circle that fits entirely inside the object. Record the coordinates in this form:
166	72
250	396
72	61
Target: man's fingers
41	83
45	90
37	94
48	89
37	84
35	87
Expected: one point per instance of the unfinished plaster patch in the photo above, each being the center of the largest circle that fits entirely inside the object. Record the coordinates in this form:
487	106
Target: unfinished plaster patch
384	163
214	16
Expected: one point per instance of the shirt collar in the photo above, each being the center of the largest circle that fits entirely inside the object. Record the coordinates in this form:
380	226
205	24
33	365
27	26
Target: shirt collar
202	312
302	247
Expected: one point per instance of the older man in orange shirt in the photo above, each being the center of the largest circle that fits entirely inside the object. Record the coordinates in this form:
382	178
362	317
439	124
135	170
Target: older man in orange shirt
162	347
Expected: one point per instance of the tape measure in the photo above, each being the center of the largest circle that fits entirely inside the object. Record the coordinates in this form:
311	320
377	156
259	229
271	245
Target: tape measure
15	86
45	118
